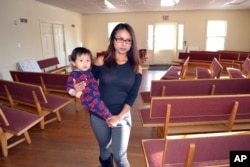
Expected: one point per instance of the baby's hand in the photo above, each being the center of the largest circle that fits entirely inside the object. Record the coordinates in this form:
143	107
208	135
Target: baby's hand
78	94
79	86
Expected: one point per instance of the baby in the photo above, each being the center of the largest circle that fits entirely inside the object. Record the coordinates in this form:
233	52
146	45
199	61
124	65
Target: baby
81	59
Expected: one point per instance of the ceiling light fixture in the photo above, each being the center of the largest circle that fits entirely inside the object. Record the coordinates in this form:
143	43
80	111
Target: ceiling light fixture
108	4
235	2
169	2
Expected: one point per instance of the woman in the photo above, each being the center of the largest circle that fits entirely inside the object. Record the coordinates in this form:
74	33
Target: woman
119	74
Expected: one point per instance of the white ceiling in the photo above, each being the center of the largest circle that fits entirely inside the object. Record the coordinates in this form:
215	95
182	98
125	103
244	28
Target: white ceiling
98	6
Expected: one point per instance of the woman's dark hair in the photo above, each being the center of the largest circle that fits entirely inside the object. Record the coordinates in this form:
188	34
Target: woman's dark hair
133	55
78	52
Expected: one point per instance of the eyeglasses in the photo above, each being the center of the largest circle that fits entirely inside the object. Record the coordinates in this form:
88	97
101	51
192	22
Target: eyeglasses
121	40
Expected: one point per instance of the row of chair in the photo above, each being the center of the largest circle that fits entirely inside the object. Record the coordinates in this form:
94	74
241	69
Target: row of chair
196	111
205	70
226	58
218	113
176	72
214	71
52	65
203	106
197	150
14	122
244	72
20	97
52	83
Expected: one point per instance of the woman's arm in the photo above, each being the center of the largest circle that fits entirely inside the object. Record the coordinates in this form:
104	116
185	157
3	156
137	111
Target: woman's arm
99	61
112	121
135	88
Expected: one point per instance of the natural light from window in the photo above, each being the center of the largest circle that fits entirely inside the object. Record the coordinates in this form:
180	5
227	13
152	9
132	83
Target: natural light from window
180	36
111	26
166	43
150	37
216	35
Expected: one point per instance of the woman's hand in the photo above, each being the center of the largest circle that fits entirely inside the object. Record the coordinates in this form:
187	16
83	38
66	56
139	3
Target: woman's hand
113	121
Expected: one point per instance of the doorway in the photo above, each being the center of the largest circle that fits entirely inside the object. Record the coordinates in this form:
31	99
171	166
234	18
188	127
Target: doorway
53	41
162	42
165	35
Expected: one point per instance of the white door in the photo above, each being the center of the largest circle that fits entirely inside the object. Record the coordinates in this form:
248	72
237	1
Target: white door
59	44
165	43
47	37
52	36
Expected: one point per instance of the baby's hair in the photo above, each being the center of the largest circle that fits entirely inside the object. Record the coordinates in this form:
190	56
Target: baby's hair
78	52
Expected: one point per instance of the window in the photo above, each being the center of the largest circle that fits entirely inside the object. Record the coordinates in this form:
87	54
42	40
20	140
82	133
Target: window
180	36
150	37
216	35
111	26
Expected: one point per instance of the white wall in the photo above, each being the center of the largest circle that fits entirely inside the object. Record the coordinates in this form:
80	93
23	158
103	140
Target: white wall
92	32
238	35
27	35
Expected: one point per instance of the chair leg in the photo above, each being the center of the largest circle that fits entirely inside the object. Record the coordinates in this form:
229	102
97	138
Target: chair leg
27	137
58	115
4	143
160	132
42	123
76	104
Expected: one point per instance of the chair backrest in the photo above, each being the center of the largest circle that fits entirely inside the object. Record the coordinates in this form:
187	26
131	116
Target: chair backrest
54	82
201	55
199	87
184	68
23	91
243	56
246	65
197	106
26	77
48	62
2	90
227	55
218	143
216	68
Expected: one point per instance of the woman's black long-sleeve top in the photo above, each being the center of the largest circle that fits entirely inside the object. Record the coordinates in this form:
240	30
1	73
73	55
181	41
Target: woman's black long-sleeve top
118	85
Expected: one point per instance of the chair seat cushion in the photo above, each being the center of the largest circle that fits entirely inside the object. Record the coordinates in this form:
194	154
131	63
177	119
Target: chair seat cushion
202	72
17	119
235	73
55	102
147	120
146	97
172	73
209	151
